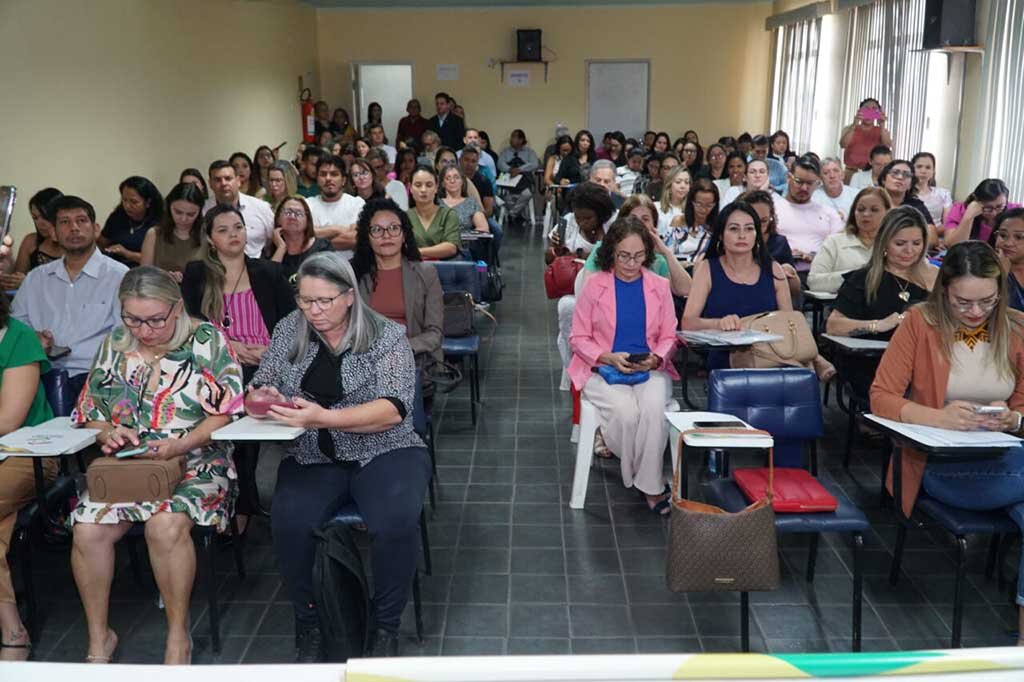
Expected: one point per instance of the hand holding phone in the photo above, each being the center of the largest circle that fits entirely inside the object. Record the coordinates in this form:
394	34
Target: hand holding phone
637	358
990	409
124	454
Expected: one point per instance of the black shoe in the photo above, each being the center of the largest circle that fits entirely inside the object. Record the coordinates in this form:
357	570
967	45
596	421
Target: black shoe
385	644
310	647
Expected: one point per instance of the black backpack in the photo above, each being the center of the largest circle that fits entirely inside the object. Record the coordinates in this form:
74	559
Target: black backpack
341	594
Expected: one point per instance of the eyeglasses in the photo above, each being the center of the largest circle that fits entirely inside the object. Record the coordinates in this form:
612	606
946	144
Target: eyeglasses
133	322
985	305
637	257
360	174
703	205
322	303
392	230
716	155
293	213
993	209
1007	236
689	151
800	182
901	174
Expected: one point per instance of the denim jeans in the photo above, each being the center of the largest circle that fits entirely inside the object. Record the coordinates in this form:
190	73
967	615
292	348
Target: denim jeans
981	485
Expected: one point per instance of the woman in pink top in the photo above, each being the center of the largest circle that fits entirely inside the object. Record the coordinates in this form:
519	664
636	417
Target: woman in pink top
625	321
975	216
867	130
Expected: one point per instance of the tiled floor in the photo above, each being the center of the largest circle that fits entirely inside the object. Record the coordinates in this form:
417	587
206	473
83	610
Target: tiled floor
517	572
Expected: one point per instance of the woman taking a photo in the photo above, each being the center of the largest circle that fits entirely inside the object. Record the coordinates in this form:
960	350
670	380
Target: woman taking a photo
961	349
141	209
191	386
453	195
177	241
396	283
294	237
357	369
610	330
850	249
37	247
435	227
282	181
975	217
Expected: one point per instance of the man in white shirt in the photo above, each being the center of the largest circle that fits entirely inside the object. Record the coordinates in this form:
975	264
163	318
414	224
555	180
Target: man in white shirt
377	140
881	155
487	166
833	193
72	303
257	214
804	223
335	212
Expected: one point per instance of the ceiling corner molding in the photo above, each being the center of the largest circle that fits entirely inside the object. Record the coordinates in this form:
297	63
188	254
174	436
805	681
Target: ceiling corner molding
795	16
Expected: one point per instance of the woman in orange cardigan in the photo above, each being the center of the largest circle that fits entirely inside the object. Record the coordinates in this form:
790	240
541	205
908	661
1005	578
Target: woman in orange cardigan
960	349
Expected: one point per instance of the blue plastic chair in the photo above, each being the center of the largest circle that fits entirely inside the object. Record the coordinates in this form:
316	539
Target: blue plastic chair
786	402
461	276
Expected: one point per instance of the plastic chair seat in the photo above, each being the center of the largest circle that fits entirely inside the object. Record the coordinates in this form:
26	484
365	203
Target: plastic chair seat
960	521
846	518
59	490
461	345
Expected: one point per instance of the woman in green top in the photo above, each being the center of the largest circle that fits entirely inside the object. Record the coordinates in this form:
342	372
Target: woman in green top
436	227
22	403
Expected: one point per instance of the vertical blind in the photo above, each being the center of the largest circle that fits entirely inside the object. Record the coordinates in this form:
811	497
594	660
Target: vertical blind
884	61
796	70
1002	116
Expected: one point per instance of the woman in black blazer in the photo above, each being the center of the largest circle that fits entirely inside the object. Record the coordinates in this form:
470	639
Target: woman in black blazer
243	297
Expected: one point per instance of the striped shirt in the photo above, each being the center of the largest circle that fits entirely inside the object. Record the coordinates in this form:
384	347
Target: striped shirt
247	324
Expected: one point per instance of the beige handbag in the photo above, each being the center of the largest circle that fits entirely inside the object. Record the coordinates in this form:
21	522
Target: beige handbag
712	550
797	347
118	481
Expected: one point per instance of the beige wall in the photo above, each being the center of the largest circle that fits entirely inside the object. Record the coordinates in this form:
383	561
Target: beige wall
99	90
699	79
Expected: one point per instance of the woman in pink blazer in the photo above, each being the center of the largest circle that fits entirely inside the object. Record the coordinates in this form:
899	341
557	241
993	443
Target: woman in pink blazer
625	321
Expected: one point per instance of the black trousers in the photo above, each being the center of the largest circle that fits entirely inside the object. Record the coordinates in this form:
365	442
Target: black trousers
389	494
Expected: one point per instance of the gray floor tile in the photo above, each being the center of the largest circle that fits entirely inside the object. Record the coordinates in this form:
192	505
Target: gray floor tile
604	645
465	620
599	621
479	589
538	620
538	588
596	589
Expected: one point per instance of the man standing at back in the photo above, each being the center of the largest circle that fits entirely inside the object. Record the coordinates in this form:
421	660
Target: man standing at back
72	303
377	140
804	223
256	213
446	124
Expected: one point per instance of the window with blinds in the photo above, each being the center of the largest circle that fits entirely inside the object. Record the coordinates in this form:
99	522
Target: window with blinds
884	61
796	71
1003	110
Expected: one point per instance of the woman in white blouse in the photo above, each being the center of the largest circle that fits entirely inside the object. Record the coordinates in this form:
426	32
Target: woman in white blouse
850	249
673	200
938	200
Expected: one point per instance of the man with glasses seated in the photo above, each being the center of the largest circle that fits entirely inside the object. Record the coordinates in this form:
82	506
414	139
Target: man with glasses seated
71	303
804	223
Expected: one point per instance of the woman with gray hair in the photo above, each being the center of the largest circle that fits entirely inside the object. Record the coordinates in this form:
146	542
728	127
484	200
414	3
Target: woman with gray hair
833	193
350	377
163	382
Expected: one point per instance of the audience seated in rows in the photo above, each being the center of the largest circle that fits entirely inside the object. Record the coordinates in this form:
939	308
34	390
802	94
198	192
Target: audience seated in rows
334	210
850	249
764	204
435	227
259	218
804	223
833	192
453	195
975	216
880	157
177	240
295	237
938	200
139	211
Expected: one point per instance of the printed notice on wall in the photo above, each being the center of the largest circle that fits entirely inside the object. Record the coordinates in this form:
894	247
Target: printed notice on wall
518	79
447	72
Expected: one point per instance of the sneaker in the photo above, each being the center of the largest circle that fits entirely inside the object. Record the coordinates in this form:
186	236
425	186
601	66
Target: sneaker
385	644
310	647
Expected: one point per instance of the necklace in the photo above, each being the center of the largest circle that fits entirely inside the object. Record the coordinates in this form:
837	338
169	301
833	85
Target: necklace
226	321
738	278
904	294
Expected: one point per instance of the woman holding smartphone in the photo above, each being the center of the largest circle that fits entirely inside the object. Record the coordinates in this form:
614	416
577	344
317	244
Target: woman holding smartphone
961	355
867	131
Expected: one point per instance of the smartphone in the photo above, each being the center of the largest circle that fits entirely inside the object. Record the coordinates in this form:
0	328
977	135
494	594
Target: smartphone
8	193
989	409
720	425
637	357
562	225
869	114
57	352
122	454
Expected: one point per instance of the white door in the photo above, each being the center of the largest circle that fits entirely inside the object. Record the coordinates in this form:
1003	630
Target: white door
617	97
390	85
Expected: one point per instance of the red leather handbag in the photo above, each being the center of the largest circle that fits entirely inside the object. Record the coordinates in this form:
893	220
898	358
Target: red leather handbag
796	491
560	276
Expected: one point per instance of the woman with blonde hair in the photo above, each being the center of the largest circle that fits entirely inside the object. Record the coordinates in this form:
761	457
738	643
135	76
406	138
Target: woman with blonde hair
282	181
850	249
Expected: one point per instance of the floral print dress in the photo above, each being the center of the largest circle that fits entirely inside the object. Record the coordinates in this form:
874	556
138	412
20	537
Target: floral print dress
199	379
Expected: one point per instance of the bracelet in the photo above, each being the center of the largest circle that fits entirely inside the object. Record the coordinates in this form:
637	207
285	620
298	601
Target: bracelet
874	326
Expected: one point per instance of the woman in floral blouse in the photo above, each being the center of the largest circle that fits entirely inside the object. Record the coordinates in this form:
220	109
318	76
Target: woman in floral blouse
166	382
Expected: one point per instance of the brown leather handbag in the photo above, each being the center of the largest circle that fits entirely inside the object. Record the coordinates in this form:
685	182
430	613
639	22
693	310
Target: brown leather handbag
712	550
117	481
797	347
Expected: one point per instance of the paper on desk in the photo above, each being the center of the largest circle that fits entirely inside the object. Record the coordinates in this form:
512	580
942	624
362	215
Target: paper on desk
947	438
737	338
251	429
507	180
41	441
857	344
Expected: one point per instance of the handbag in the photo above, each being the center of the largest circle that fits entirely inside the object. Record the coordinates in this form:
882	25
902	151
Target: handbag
458	314
560	276
797	347
712	550
794	490
613	376
114	481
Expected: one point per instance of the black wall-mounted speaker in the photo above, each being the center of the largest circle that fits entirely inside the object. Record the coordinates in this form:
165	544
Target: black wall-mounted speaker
948	23
528	45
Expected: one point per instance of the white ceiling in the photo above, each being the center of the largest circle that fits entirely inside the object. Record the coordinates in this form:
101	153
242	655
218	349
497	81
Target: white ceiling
454	4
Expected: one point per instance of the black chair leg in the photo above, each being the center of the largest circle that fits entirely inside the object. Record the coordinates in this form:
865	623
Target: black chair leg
993	553
425	540
472	388
433	465
812	557
23	542
958	590
858	588
206	546
417	606
851	423
745	622
897	554
236	546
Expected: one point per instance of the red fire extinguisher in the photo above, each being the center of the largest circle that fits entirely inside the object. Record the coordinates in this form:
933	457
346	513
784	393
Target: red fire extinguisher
308	118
